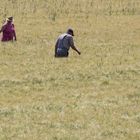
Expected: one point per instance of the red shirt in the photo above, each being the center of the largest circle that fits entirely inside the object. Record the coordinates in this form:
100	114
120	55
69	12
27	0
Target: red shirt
8	32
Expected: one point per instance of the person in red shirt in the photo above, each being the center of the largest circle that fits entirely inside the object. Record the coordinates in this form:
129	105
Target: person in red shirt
8	31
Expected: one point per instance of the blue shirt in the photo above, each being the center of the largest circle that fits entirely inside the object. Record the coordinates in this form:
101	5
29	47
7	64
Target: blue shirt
65	41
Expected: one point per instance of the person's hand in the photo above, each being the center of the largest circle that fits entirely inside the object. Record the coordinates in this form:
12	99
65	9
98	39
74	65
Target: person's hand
79	53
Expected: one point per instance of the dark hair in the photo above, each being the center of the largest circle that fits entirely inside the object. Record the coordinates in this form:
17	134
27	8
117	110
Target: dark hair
70	31
10	19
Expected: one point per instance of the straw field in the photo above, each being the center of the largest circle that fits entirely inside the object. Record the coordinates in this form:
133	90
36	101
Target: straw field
94	96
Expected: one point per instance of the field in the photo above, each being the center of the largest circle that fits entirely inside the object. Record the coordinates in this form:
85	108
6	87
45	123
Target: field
94	96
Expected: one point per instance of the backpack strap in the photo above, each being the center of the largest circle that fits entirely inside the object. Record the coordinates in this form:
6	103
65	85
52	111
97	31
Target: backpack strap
63	40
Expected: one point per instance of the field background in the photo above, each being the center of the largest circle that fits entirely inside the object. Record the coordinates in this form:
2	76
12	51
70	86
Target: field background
95	96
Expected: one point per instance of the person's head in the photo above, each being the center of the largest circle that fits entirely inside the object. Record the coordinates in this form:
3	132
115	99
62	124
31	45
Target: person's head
70	31
10	19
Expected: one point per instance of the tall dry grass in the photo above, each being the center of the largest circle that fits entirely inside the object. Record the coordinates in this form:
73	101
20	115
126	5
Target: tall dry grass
92	96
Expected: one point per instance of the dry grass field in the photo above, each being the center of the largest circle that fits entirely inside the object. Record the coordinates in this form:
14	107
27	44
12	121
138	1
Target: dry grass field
94	96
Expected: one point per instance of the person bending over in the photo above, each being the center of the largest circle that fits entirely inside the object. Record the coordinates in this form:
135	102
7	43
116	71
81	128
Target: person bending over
64	43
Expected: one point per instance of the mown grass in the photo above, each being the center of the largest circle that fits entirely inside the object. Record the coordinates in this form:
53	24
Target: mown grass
92	96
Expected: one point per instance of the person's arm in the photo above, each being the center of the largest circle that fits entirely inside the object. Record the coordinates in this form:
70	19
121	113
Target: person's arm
73	46
2	28
15	37
14	33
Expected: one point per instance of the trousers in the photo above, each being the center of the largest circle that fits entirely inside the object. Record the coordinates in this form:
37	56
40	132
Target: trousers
62	52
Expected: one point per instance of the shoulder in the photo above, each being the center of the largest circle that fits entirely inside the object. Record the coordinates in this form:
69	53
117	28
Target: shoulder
68	36
3	26
61	36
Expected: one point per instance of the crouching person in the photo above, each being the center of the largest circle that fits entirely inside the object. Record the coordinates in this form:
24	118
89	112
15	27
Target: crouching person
63	44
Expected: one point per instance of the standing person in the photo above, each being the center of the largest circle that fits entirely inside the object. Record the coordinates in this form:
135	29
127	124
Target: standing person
63	44
8	31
